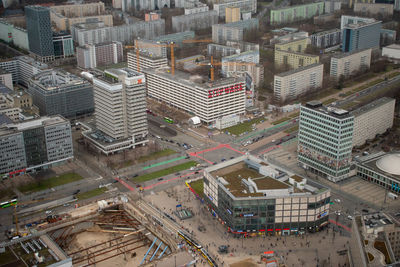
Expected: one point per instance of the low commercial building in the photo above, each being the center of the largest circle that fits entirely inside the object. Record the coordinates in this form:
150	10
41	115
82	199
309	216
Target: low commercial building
373	119
227	121
253	197
346	64
290	84
213	99
244	5
121	119
374	9
325	140
63	45
296	13
91	56
221	33
194	21
382	169
293	59
22	68
392	52
326	39
34	145
60	92
96	32
14	104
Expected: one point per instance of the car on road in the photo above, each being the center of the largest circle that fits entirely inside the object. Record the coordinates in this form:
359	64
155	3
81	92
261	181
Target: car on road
337	212
160	179
135	175
231	157
365	210
138	185
158	137
77	191
196	172
48	211
116	181
222	160
337	200
350	217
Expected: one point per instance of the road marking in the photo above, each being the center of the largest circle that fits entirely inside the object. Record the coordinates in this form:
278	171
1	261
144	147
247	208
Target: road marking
269	149
124	184
163	162
341	225
228	146
166	181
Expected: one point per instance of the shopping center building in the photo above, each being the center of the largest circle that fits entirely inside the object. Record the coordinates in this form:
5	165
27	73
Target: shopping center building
253	197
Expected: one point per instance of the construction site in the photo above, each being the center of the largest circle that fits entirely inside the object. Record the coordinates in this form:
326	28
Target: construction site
110	232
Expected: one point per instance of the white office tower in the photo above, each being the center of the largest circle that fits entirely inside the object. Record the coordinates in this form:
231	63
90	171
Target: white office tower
120	107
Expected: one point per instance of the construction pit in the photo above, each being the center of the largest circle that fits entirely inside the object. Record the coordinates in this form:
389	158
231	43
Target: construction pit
111	232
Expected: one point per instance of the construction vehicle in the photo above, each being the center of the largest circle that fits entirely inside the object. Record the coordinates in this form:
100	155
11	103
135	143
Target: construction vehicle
212	65
171	45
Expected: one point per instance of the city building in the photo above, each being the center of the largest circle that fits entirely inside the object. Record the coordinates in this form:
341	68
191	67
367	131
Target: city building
382	169
218	50
244	5
59	92
243	46
296	13
292	36
34	145
151	16
293	45
6	79
63	45
121	119
388	37
194	21
397	5
198	8
40	36
294	60
392	52
22	68
361	36
332	6
213	99
175	38
146	61
347	64
128	5
325	140
17	105
95	32
372	119
8	112
14	35
326	39
232	14
239	69
290	84
251	196
248	56
91	56
344	20
373	9
232	31
187	3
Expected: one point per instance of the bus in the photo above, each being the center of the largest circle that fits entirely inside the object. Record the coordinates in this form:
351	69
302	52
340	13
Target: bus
9	203
169	120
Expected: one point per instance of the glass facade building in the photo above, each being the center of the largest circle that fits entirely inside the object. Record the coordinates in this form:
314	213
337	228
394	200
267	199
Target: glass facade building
284	205
40	35
325	140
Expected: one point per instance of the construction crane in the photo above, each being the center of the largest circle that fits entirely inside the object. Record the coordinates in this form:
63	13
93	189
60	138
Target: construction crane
171	45
17	233
212	64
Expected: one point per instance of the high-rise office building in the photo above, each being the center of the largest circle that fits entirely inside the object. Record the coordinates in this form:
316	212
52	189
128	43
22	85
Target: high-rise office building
325	140
120	102
40	35
361	35
34	145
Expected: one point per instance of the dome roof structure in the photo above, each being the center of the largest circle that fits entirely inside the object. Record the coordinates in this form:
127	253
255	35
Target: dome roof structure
390	164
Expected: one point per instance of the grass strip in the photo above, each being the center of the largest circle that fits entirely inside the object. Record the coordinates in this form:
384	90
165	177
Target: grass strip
198	187
243	127
62	179
165	172
91	193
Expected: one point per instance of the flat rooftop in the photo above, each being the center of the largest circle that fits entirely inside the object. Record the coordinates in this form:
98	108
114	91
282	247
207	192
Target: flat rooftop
375	104
188	79
290	72
332	111
343	55
33	62
43	121
372	160
393	46
56	79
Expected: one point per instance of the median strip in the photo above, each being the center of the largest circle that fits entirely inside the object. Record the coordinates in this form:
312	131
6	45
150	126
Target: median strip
163	163
165	172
